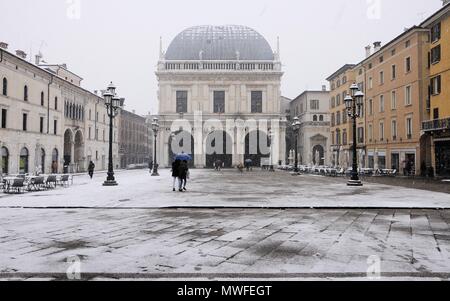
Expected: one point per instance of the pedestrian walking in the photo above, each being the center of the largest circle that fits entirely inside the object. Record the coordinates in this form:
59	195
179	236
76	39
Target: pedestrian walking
182	175
91	169
175	172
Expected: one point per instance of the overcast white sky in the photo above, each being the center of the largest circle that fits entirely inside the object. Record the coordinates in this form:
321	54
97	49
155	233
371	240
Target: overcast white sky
118	40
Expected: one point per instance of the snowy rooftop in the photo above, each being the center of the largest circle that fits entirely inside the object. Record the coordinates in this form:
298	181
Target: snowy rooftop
229	42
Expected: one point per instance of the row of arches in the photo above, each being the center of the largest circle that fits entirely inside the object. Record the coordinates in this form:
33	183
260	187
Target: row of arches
257	147
24	160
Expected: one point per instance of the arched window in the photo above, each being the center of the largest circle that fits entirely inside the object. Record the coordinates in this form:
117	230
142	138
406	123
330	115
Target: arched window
42	98
315	118
41	161
4	161
5	86
25	93
55	158
23	163
321	118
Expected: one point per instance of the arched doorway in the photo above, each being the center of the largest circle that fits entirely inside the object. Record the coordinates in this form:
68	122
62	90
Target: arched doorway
79	151
55	161
219	146
4	166
181	141
68	138
23	161
318	155
40	158
257	147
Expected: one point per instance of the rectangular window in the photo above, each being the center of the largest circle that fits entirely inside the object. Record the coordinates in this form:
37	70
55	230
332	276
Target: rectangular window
256	101
219	101
370	132
370	107
436	114
338	118
360	135
381	77
381	103
315	104
89	134
4	115
394	129
435	32
344	137
408	96
182	101
393	100
55	127
407	44
24	121
409	129
338	100
408	64
41	125
394	72
370	83
381	131
344	116
435	55
436	85
56	103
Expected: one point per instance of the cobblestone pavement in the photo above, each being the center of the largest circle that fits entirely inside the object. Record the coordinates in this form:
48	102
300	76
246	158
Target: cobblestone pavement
227	189
224	243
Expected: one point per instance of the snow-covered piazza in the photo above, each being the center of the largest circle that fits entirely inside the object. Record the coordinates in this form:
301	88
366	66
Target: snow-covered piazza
254	225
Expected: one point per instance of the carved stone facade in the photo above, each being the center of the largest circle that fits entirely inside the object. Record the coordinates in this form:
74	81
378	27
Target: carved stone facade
220	102
311	107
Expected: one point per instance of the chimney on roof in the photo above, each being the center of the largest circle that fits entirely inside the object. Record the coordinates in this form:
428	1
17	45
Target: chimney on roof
368	50
324	88
38	58
376	46
64	66
21	54
134	111
3	45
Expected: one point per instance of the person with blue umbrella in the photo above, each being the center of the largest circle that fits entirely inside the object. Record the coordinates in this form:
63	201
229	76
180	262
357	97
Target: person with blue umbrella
183	170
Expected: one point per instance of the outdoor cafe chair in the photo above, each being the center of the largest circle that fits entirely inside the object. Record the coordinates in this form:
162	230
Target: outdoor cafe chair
64	181
51	182
36	184
17	186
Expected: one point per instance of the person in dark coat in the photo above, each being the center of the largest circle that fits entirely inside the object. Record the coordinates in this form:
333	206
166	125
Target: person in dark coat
183	170
175	172
91	169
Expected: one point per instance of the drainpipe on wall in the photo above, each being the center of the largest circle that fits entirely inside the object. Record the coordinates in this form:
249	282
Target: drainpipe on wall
48	104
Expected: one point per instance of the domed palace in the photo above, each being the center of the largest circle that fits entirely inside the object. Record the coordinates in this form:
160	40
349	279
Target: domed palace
220	99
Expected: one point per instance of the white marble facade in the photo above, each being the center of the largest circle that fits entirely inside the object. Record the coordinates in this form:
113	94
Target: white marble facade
206	61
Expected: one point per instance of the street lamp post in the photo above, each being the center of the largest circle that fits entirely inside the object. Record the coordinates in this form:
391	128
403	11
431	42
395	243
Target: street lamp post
155	128
271	138
113	104
296	127
353	104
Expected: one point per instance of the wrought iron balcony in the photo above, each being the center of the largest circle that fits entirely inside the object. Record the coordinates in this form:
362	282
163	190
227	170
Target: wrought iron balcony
436	125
